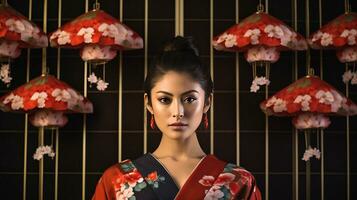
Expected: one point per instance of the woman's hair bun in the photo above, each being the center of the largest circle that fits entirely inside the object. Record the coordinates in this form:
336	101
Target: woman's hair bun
181	44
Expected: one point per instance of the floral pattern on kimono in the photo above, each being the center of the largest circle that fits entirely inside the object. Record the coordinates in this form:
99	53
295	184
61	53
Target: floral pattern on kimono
147	179
233	183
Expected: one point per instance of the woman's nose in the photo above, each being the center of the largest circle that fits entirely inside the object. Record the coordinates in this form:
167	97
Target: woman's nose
178	109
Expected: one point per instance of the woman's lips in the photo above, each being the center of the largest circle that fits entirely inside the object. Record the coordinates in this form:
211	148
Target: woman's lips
178	124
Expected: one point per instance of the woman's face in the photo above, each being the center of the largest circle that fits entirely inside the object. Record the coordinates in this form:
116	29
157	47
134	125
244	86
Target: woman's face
178	104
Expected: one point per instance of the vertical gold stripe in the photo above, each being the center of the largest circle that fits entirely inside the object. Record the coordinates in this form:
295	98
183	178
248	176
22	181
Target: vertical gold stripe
177	17
58	76
237	96
308	163
56	163
347	6
44	56
296	166
347	9
26	116
307	27
348	142
267	6
25	155
212	75
308	168
267	126
120	92
40	182
322	175
267	138
182	18
322	166
145	70
295	137
84	131
84	145
41	130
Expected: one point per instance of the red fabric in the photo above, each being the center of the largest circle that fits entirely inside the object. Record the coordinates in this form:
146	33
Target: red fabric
105	189
6	12
258	20
45	84
192	185
240	183
347	21
94	19
308	85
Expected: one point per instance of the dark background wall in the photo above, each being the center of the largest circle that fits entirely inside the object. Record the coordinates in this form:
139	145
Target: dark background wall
102	126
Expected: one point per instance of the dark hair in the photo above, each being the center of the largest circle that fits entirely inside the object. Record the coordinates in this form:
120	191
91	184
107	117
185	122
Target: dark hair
179	55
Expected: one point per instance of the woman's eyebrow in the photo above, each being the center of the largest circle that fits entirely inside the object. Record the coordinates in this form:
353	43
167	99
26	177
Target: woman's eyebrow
168	93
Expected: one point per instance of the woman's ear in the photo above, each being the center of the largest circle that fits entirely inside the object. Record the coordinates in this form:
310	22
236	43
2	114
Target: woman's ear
208	103
147	104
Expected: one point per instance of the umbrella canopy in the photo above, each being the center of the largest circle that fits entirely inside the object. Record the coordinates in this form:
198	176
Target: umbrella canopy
99	36
259	29
339	34
96	27
45	92
308	95
17	29
262	37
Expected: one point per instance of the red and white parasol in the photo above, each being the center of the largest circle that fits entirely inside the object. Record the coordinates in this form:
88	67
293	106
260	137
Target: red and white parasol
46	99
309	101
99	36
16	32
262	37
339	34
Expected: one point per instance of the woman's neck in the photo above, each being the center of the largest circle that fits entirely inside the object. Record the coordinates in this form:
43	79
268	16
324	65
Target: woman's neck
179	149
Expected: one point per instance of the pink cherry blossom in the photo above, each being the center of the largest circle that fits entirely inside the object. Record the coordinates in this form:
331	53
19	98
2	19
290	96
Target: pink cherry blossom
254	35
206	180
87	33
224	179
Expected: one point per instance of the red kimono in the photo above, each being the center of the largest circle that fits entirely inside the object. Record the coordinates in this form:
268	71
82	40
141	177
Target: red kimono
146	179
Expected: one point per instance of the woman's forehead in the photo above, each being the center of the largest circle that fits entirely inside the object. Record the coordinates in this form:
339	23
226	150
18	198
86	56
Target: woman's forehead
176	83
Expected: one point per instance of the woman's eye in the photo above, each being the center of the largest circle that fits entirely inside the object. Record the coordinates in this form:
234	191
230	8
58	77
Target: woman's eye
164	100
190	99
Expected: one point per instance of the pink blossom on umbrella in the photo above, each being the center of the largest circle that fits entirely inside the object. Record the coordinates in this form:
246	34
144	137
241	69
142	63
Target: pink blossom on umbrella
253	34
350	35
304	100
87	33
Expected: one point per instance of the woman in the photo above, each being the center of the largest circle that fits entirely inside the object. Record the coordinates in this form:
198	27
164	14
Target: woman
178	94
